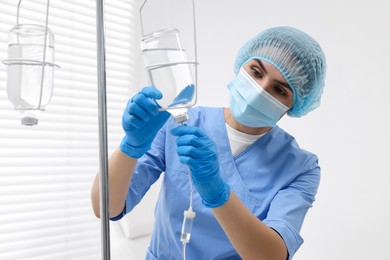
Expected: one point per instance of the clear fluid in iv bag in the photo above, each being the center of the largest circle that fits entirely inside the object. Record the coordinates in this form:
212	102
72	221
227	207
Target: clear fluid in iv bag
169	71
24	80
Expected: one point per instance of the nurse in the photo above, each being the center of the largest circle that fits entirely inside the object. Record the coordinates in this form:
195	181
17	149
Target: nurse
253	183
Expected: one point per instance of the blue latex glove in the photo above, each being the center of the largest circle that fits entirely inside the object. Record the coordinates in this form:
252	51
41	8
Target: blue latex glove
141	121
199	152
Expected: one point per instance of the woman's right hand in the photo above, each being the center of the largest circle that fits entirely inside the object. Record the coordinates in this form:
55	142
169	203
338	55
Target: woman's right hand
141	121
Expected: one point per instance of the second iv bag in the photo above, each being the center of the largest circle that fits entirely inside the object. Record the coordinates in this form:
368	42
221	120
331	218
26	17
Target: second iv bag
30	69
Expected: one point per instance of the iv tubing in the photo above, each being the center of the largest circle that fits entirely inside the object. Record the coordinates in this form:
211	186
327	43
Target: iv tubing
189	214
191	187
103	147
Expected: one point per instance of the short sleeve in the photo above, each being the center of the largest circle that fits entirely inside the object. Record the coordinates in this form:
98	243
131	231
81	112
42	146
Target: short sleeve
290	205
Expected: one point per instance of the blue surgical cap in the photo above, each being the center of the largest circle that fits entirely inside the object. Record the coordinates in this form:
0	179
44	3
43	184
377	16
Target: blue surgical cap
299	59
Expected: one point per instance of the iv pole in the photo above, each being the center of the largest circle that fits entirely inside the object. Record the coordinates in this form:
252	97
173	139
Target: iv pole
103	147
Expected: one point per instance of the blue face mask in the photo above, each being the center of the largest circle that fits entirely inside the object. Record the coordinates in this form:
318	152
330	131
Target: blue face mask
251	105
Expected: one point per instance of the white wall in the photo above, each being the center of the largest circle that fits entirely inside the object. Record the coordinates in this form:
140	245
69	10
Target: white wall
349	132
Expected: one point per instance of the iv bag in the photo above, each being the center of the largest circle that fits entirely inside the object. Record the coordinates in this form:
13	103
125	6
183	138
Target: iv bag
168	68
30	70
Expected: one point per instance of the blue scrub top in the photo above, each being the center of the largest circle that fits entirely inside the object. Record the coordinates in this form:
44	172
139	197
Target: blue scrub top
274	178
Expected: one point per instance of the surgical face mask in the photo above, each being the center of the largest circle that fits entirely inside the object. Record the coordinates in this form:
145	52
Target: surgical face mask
251	105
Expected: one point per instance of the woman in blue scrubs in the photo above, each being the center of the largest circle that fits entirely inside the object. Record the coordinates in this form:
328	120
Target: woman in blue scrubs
252	183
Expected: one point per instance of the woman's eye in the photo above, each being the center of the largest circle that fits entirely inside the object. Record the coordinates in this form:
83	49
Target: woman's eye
257	73
280	91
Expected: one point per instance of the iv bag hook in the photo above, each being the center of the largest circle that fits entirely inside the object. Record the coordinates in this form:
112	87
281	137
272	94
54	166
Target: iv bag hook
17	12
47	12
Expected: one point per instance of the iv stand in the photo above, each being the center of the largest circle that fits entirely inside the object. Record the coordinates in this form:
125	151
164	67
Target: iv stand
103	147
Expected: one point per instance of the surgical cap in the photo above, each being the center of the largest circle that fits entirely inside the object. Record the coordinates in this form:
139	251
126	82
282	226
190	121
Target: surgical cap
299	59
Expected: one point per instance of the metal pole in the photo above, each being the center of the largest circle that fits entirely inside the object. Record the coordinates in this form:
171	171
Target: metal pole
103	151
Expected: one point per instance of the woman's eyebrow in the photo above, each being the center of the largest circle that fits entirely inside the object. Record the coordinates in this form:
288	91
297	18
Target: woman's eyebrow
282	83
261	65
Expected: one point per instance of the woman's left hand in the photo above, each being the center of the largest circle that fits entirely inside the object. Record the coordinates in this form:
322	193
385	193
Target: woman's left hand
199	152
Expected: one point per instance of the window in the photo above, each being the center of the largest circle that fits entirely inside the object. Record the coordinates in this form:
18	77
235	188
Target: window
46	171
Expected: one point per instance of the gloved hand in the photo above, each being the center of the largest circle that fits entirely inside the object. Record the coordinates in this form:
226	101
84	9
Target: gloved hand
141	121
199	152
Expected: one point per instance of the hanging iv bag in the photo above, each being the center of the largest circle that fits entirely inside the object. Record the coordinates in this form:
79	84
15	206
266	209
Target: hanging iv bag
30	69
168	67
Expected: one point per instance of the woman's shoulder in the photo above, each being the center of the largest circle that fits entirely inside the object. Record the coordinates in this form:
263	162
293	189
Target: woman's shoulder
289	142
